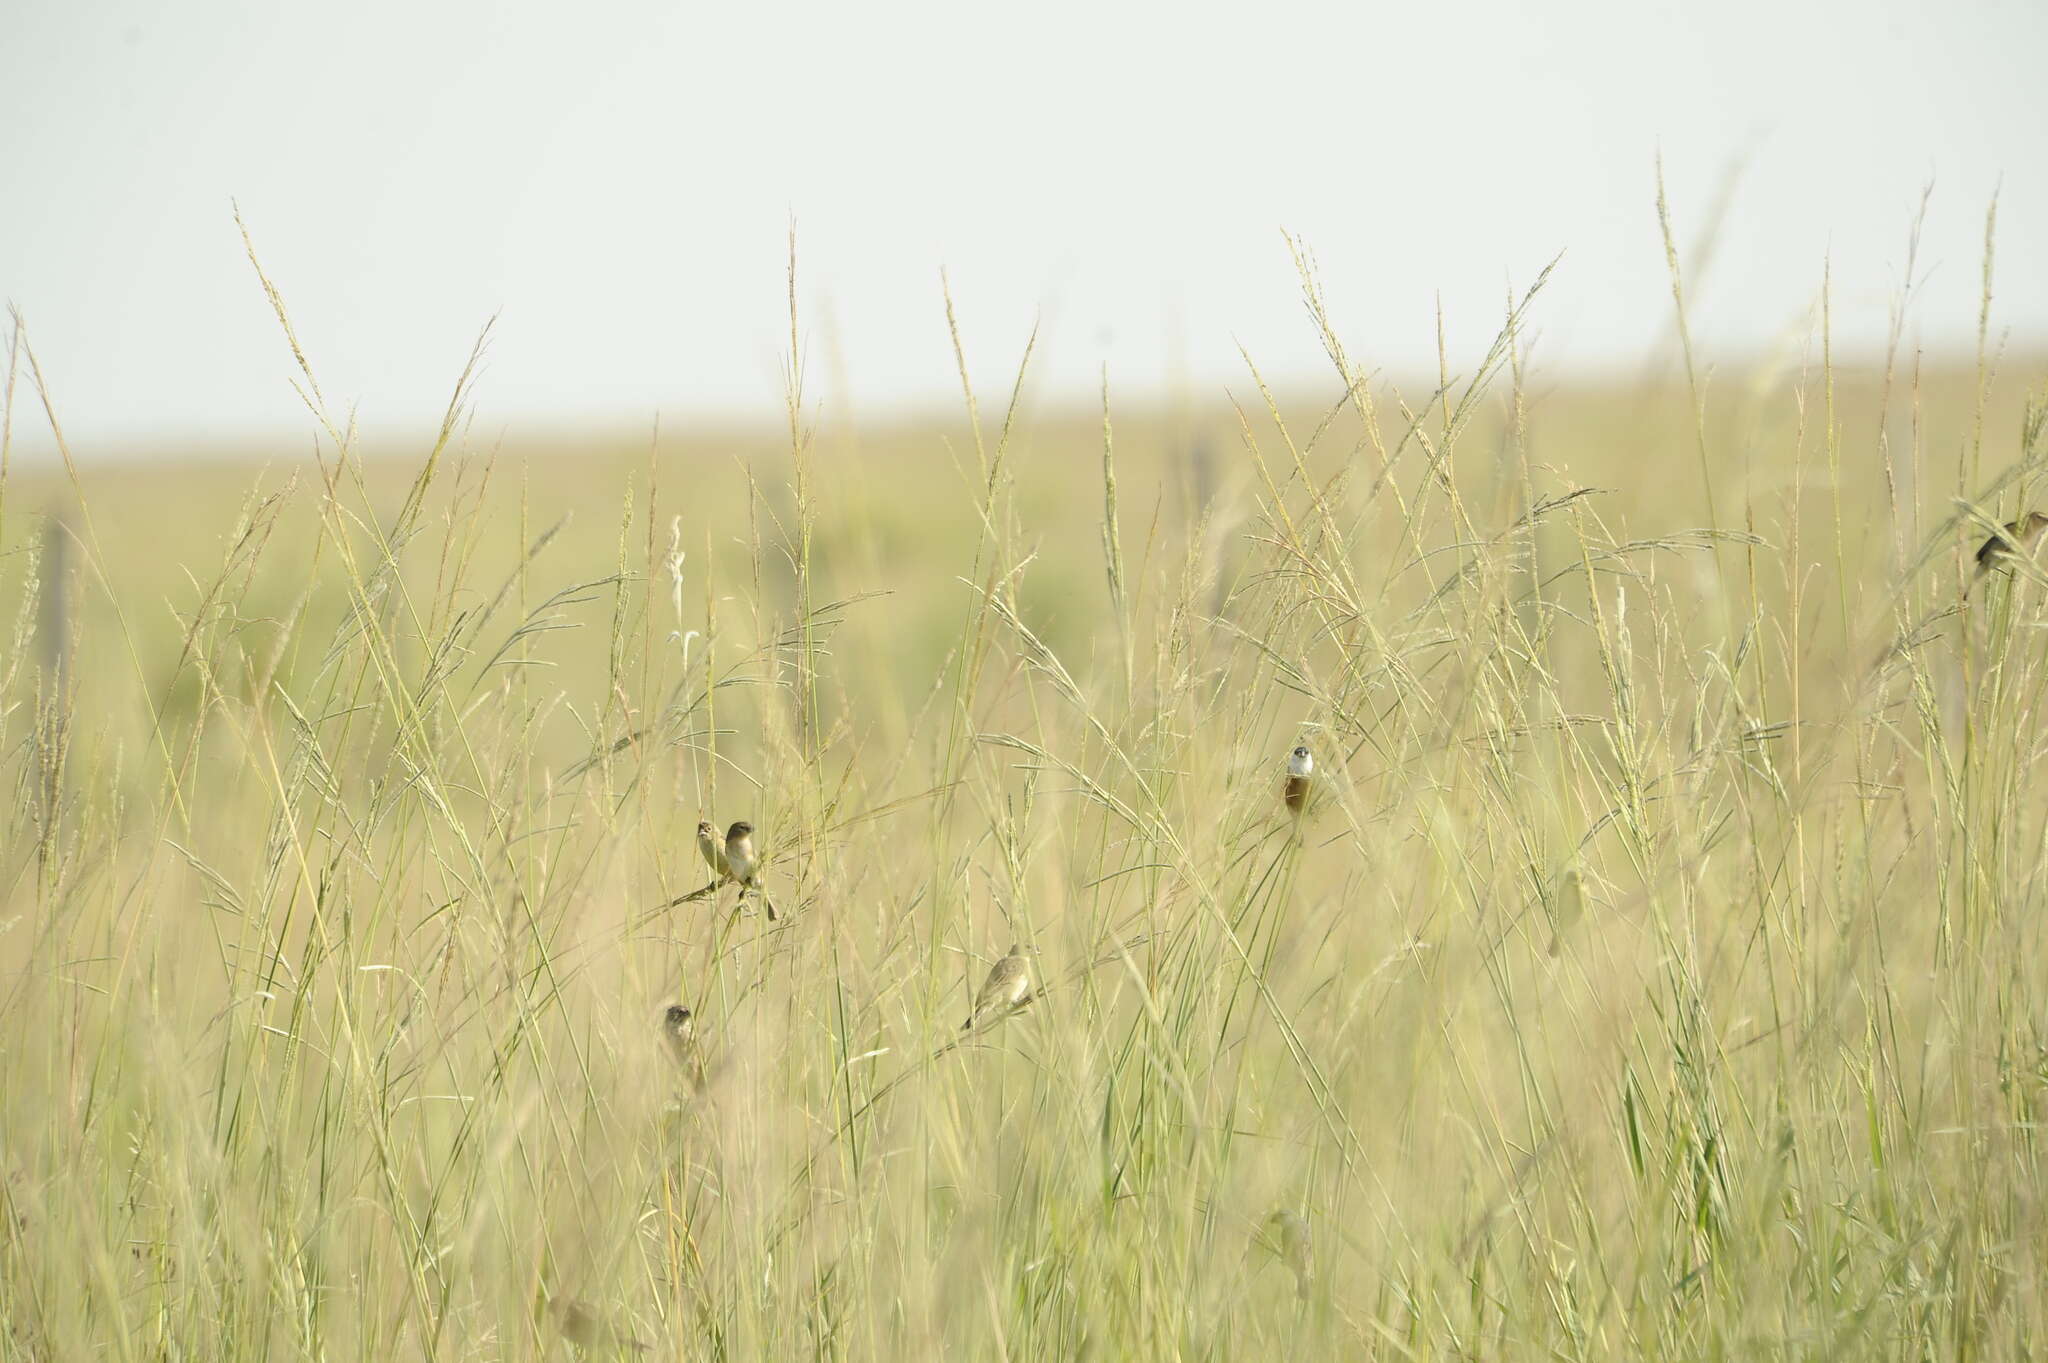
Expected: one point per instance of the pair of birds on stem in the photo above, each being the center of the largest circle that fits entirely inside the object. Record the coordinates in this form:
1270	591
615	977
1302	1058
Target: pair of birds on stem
733	858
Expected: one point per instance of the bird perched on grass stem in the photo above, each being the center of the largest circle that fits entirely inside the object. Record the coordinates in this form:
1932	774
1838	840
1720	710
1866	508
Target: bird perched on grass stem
1300	768
2015	540
1285	1236
713	851
1567	904
1007	988
679	1034
743	865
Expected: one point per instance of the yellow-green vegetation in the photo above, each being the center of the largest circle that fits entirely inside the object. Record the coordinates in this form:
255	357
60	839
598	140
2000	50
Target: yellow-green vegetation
1656	971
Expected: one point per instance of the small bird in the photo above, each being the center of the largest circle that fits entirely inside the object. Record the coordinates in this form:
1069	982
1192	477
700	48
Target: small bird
1285	1237
2016	540
742	865
583	1326
1007	988
1300	766
679	1034
1567	903
713	851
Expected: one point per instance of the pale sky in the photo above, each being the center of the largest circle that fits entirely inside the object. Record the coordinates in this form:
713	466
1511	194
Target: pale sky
617	179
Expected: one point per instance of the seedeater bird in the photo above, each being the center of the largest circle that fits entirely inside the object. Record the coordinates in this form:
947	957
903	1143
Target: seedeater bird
1285	1236
742	865
2016	540
1007	988
713	850
679	1034
582	1325
1300	767
1567	903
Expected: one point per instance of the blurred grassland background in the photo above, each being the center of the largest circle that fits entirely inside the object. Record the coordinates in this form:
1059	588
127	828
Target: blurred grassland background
345	789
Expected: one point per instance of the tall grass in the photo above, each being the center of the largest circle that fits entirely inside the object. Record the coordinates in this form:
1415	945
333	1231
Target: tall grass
340	866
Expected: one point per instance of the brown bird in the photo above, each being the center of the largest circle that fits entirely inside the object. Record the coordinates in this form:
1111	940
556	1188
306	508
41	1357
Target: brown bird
2016	540
1007	988
713	851
679	1034
1300	767
745	867
583	1326
1567	903
1285	1237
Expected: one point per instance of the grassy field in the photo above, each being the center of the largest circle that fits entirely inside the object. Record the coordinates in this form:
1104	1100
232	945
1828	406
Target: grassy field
1657	972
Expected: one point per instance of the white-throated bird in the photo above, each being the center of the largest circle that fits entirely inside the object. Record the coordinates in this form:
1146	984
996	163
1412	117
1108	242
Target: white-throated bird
1301	767
744	866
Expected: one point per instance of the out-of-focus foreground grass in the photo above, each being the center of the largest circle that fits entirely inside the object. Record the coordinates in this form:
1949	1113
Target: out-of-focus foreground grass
1658	972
